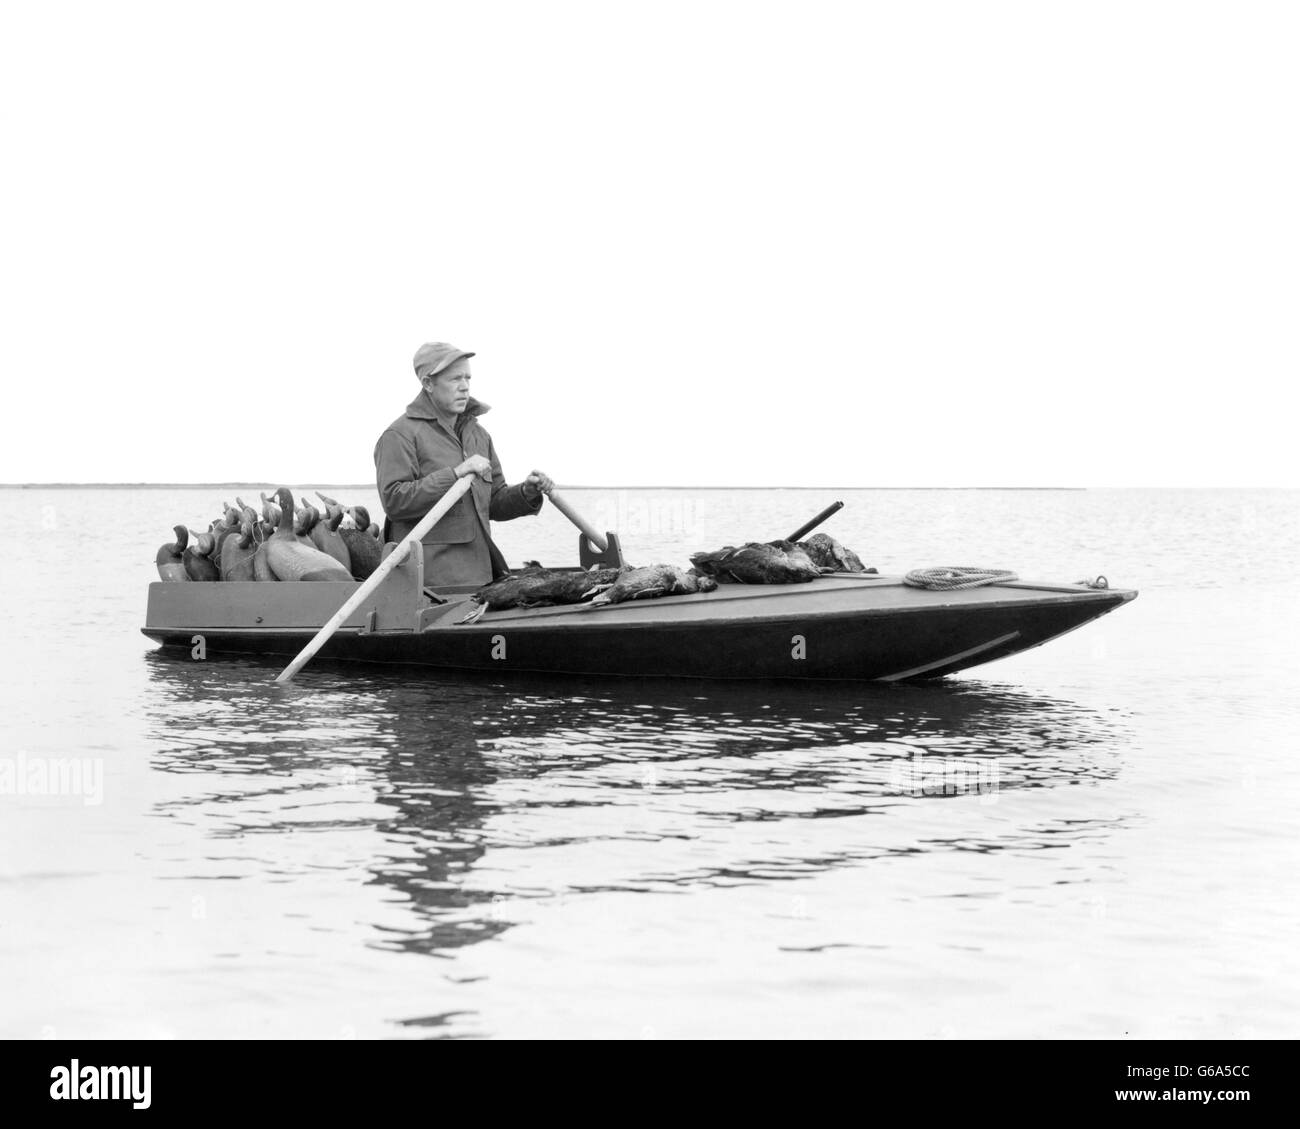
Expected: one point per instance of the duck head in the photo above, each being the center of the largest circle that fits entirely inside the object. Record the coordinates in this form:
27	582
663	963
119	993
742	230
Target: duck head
284	504
308	516
171	554
204	543
271	512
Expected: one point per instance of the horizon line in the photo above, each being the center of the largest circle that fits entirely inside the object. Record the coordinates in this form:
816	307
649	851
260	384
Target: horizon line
267	485
559	485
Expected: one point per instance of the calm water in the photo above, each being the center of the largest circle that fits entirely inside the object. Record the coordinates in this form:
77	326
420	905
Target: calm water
1096	838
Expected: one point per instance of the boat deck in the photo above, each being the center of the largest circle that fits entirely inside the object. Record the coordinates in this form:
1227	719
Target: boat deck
830	595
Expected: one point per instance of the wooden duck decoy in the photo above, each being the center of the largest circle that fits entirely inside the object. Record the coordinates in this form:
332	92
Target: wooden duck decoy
260	534
170	558
270	517
237	553
364	549
361	516
223	529
290	558
326	537
198	557
305	517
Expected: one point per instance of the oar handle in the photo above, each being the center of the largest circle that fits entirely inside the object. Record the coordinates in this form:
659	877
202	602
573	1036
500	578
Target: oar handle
390	562
586	528
809	526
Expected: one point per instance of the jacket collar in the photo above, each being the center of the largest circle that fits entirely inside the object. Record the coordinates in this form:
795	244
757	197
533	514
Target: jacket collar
422	408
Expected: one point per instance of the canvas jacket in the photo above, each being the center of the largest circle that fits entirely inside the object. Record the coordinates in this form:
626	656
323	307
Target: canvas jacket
415	461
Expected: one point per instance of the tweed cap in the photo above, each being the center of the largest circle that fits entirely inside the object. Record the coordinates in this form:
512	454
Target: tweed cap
434	356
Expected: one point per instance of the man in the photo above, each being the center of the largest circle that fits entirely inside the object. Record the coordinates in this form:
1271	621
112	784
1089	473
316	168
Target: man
438	440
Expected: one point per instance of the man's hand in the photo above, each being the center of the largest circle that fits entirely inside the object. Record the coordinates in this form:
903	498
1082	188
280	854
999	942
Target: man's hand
476	464
538	482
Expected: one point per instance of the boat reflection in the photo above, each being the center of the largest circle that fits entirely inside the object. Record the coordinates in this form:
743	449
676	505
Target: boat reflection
574	785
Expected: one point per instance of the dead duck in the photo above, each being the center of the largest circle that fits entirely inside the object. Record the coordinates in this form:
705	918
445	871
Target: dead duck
170	559
825	552
774	562
653	582
537	587
290	558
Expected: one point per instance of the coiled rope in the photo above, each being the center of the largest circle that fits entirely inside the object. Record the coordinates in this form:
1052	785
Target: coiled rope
953	579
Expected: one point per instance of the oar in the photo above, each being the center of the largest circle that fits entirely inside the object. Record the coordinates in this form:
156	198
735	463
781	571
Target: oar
390	562
584	526
809	526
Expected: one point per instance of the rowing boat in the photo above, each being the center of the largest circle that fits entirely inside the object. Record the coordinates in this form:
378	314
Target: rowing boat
840	626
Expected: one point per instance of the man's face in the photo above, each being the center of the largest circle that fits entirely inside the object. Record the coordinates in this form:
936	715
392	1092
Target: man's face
449	390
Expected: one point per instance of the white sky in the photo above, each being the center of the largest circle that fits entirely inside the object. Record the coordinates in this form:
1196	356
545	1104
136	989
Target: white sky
859	244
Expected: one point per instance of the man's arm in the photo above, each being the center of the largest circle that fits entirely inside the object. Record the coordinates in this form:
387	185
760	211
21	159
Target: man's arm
508	501
404	494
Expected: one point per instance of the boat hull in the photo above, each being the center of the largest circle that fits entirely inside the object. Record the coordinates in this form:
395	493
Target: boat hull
845	626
